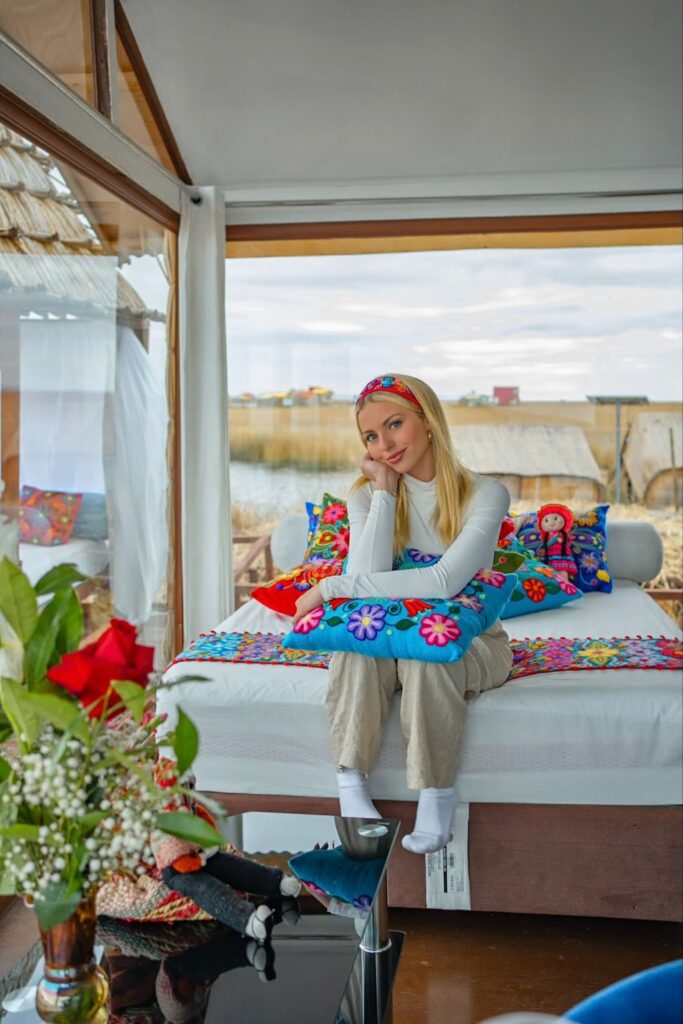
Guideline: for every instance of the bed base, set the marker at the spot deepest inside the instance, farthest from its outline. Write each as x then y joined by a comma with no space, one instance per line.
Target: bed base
539,858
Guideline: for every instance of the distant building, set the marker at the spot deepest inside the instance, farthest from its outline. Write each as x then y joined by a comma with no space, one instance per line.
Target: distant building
473,398
653,458
506,396
536,463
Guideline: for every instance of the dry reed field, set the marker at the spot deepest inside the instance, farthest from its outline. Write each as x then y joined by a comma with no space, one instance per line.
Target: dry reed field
325,437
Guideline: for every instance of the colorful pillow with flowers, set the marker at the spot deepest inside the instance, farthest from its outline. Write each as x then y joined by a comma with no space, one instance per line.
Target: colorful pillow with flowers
59,507
36,528
313,511
333,873
282,593
331,537
439,631
588,542
538,587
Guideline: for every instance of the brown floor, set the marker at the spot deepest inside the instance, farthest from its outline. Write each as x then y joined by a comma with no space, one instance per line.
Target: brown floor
460,968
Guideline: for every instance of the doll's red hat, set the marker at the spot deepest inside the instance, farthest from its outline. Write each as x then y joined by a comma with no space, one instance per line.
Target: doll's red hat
561,510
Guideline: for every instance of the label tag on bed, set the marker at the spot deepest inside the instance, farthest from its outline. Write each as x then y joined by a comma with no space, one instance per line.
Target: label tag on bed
447,875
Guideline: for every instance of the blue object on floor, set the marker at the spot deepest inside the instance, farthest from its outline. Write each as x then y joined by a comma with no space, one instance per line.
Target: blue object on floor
654,996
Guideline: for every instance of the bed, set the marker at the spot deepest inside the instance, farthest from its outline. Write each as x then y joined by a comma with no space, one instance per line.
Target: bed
573,780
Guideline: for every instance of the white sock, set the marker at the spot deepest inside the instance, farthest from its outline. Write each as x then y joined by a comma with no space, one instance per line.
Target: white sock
354,799
433,821
289,886
259,926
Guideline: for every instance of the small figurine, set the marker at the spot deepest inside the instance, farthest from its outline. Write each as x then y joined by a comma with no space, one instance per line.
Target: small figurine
554,523
210,877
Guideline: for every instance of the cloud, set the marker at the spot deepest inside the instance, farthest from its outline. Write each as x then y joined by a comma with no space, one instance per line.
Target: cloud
557,323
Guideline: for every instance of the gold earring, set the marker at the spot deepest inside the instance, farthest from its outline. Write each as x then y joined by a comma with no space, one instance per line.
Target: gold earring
429,436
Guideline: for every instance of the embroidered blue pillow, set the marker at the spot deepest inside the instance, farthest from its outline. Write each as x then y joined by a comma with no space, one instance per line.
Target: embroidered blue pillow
438,631
338,875
588,542
313,511
538,588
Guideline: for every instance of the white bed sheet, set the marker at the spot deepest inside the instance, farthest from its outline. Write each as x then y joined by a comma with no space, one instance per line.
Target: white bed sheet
89,556
593,737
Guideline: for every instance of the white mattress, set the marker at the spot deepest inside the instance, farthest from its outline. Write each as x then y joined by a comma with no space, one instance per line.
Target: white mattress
584,737
89,556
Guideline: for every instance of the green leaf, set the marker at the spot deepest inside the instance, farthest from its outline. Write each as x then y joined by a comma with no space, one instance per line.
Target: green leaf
22,717
133,696
41,647
516,595
17,600
56,905
71,627
405,624
91,820
552,588
187,826
5,770
64,714
60,577
20,831
8,886
185,742
333,621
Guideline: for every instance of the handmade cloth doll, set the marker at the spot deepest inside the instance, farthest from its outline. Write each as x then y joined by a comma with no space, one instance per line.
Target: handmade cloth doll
554,523
209,877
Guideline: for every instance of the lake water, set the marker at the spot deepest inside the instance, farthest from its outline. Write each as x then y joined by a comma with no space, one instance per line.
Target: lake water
276,491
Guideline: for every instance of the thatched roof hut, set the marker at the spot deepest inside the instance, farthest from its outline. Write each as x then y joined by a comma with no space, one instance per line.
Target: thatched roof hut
536,463
41,219
653,458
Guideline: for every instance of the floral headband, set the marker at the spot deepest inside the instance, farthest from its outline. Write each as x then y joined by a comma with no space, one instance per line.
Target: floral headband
388,384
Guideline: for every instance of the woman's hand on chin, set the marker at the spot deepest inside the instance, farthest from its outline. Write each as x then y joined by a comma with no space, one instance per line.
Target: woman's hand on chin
308,602
383,477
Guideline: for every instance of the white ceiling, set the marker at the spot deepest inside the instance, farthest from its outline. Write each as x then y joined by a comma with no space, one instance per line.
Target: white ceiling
321,100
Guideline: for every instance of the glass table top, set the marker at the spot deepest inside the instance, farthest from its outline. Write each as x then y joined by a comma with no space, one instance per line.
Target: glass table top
309,971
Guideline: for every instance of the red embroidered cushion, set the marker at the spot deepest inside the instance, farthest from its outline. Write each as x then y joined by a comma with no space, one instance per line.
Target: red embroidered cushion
35,528
60,508
282,593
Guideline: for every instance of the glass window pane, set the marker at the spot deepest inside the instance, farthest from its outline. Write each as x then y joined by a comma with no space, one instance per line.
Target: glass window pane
56,33
513,341
135,117
84,287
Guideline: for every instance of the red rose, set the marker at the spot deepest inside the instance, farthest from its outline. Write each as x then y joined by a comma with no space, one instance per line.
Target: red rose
115,656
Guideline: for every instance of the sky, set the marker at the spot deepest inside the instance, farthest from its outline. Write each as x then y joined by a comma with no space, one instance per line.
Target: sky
560,324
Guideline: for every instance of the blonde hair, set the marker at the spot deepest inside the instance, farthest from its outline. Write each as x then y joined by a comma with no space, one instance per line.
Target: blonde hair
454,482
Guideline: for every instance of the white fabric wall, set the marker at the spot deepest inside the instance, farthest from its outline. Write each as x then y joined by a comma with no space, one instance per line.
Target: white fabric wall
206,532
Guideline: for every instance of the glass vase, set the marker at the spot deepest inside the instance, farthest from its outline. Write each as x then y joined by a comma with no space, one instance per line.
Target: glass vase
73,988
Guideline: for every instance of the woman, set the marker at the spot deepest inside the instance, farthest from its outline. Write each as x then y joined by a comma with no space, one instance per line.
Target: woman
413,494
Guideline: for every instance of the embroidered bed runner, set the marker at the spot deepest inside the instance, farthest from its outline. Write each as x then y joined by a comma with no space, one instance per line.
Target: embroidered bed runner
552,654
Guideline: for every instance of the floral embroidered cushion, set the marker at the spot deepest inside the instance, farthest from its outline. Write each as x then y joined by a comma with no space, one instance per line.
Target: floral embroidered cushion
538,588
36,528
59,507
439,631
313,511
333,873
282,593
331,535
588,542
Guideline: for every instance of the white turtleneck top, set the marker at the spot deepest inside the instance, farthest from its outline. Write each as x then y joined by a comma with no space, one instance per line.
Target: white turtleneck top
369,570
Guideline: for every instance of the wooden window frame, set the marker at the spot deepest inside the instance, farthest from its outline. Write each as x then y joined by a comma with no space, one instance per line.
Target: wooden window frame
129,43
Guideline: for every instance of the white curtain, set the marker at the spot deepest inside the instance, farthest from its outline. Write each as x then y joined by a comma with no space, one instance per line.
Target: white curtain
206,531
139,480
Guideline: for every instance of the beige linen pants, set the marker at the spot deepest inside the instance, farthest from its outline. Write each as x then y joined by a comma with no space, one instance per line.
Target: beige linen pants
433,706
